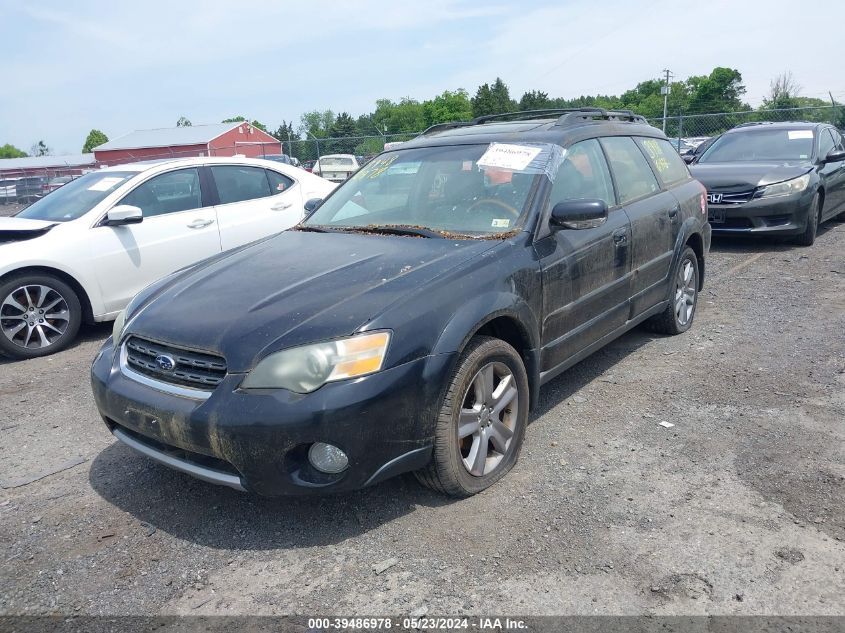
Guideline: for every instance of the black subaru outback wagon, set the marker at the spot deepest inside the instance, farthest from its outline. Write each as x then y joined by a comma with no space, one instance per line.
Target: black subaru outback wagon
408,323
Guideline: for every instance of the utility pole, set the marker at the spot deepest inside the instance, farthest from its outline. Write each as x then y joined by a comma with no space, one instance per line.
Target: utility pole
665,92
832,109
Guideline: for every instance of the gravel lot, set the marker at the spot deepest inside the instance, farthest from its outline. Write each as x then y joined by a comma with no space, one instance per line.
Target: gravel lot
737,509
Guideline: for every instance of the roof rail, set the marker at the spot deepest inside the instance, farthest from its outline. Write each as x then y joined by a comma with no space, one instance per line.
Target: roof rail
440,127
751,123
588,114
528,114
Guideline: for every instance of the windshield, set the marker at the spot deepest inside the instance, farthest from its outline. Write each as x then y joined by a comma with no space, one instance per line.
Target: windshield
335,160
442,189
77,197
761,145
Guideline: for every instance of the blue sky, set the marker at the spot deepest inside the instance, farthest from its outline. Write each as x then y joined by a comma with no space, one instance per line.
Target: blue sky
119,66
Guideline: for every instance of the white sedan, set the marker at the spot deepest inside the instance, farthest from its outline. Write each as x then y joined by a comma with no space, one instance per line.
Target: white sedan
83,251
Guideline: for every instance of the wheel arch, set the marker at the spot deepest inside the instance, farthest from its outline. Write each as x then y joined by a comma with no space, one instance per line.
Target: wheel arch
696,243
515,325
70,280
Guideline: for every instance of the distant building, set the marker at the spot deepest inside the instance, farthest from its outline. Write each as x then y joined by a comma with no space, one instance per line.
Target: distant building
221,139
49,166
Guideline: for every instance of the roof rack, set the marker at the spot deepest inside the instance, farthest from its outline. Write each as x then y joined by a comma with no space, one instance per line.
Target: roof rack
565,116
589,114
752,123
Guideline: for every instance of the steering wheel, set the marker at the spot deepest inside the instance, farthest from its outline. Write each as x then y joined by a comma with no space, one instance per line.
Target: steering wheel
494,202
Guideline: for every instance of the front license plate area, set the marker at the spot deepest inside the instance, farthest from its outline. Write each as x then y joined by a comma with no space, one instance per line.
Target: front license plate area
716,216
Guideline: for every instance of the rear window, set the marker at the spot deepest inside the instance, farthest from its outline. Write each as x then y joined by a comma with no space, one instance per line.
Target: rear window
634,178
336,161
669,166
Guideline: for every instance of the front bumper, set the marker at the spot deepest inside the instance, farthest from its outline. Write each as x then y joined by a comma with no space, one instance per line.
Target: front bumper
258,440
782,215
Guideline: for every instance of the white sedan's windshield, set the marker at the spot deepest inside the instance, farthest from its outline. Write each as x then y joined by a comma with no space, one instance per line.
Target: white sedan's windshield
76,198
441,189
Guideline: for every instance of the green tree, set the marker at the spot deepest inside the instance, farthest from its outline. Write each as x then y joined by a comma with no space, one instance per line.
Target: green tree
239,118
94,139
10,151
343,126
185,122
39,149
535,100
446,107
493,99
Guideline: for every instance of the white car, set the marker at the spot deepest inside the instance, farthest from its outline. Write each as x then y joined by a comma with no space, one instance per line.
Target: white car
336,167
83,251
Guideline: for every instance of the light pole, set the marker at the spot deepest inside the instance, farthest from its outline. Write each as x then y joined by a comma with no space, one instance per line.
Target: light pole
665,92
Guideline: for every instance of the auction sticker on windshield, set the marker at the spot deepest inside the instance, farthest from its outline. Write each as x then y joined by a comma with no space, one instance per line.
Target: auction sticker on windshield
507,156
105,184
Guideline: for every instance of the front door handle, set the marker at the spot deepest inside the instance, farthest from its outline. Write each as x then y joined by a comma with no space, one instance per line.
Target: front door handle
620,237
281,206
674,211
200,224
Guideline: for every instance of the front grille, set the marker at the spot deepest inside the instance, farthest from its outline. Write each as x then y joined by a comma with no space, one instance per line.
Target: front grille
736,197
190,369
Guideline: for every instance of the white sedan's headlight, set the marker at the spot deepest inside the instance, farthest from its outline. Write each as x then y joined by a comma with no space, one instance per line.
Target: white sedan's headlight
307,368
796,185
117,330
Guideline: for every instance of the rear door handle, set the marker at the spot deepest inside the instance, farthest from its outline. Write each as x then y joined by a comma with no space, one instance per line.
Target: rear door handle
674,211
620,237
200,224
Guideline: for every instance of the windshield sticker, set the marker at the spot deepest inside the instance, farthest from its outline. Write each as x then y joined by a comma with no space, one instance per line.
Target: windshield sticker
507,156
377,166
501,223
797,134
105,184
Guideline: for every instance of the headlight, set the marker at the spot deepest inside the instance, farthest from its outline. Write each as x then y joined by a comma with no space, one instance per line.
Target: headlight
307,368
119,322
796,185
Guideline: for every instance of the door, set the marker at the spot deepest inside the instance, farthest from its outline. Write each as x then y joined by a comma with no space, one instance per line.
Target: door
584,271
253,202
833,174
177,231
653,214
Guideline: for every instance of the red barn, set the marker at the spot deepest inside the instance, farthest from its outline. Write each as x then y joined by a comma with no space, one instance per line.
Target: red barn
221,139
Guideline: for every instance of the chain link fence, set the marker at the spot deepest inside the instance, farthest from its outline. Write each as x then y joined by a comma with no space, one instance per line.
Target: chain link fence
698,126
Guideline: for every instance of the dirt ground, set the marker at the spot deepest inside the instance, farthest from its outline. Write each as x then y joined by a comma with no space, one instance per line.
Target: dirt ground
737,509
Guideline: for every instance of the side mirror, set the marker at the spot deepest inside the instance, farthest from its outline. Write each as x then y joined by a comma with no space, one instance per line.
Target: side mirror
312,205
834,156
688,158
579,214
124,214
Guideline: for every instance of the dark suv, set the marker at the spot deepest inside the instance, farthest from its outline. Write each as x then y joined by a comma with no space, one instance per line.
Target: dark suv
774,179
408,323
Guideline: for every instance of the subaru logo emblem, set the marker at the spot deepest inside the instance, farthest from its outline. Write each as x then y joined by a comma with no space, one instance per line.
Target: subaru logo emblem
714,198
165,363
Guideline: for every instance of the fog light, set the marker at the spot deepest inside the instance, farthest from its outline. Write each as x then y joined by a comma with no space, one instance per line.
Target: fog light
327,458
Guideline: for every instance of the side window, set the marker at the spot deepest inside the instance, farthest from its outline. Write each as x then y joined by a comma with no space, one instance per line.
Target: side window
236,183
167,193
826,143
837,139
634,178
583,174
668,164
278,182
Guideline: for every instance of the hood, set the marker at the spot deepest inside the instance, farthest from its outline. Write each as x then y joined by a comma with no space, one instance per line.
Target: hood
741,176
296,288
17,229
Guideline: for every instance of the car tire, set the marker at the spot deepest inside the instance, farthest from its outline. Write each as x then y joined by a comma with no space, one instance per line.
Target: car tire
53,307
677,317
489,375
808,237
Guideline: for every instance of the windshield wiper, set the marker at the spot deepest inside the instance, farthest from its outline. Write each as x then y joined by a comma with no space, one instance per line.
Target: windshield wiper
314,228
399,229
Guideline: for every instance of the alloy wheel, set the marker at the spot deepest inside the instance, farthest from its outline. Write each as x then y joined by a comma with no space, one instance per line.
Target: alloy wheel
488,418
685,290
34,316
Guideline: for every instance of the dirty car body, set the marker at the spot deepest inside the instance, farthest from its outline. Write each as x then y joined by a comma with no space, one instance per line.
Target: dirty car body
429,285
